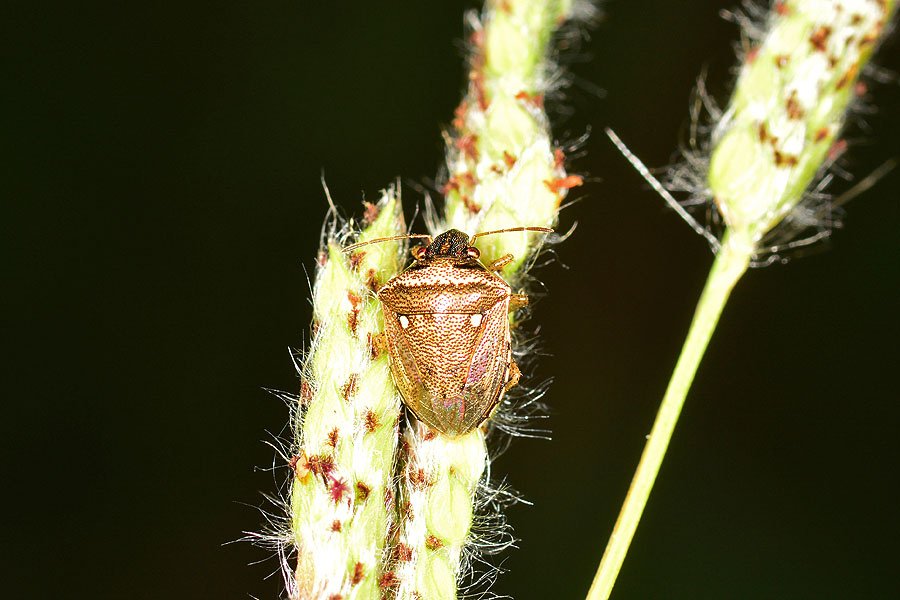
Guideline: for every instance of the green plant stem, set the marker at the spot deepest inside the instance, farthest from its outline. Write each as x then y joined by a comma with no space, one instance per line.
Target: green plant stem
729,266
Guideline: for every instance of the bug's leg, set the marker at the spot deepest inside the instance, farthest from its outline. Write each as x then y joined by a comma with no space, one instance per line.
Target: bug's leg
514,375
417,252
500,262
517,301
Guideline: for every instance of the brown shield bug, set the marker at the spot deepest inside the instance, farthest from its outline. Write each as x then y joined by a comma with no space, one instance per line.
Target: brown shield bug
447,333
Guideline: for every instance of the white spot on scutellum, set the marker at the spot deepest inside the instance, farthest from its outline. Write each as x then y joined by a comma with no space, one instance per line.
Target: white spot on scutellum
404,321
475,320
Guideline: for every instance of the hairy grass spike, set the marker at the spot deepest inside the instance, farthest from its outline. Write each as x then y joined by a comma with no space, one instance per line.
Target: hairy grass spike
503,172
788,108
346,430
769,146
437,484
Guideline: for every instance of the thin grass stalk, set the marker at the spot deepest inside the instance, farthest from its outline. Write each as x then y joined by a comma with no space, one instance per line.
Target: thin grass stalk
729,266
774,141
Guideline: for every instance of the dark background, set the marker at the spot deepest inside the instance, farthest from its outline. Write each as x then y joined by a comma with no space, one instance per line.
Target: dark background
162,199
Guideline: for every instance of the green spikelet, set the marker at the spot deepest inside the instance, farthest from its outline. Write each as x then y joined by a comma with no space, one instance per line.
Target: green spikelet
347,431
772,141
504,169
504,172
788,106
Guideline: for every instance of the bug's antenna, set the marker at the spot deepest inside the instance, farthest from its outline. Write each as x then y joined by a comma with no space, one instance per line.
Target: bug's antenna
484,233
387,239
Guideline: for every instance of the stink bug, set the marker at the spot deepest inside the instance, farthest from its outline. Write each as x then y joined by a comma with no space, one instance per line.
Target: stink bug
447,330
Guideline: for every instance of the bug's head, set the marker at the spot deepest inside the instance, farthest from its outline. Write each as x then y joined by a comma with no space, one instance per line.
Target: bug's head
456,244
450,244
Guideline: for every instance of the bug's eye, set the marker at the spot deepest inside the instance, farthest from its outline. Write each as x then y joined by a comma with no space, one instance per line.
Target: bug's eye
473,252
418,252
